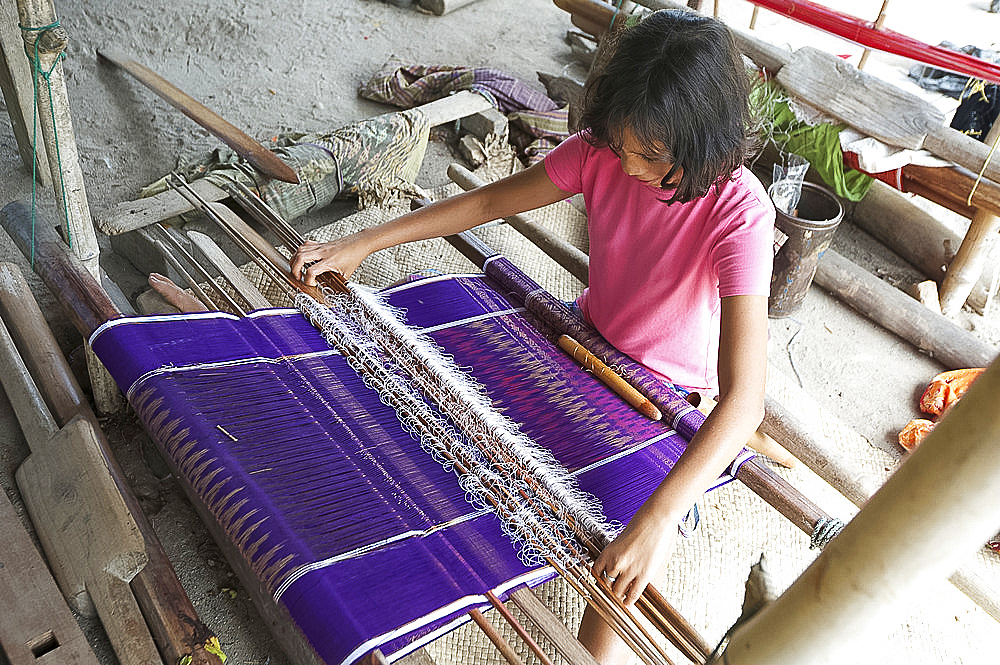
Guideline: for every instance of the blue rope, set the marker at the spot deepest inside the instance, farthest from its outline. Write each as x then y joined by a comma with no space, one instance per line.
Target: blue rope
36,69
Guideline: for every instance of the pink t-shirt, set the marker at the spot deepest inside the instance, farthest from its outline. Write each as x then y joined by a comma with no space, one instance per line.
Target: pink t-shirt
658,271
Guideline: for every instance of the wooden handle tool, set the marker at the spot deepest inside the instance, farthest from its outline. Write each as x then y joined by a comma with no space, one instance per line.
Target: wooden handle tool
608,377
260,157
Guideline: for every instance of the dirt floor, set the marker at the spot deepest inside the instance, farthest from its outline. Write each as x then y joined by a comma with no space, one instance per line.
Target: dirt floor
271,67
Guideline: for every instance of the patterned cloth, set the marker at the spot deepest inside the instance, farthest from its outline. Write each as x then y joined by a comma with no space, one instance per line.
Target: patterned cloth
536,133
368,159
406,86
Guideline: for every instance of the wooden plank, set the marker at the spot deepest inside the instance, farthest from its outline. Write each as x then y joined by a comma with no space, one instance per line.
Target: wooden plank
35,622
18,93
872,106
131,215
87,532
552,627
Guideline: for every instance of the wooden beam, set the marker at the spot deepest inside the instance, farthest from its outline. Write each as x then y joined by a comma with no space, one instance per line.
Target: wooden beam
895,311
938,507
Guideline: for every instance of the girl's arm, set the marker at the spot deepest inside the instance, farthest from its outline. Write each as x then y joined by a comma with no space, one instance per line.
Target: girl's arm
526,190
635,557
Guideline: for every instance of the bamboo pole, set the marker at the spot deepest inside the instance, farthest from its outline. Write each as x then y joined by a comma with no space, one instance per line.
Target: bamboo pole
829,463
879,22
936,509
18,93
57,126
45,44
967,267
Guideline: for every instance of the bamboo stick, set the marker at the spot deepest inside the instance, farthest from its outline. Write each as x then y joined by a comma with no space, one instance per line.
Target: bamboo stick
937,508
18,92
494,636
879,22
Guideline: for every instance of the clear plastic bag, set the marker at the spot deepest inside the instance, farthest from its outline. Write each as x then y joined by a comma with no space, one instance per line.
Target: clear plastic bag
788,179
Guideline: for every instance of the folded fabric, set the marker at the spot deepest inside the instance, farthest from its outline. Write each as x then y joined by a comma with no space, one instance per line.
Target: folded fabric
406,86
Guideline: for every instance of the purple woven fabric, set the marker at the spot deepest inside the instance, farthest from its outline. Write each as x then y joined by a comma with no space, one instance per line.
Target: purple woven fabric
332,508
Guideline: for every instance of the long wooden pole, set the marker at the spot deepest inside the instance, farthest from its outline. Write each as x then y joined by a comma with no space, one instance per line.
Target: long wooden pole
936,509
886,305
256,154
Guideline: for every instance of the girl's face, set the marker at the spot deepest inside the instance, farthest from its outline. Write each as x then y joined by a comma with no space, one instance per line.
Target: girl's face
644,164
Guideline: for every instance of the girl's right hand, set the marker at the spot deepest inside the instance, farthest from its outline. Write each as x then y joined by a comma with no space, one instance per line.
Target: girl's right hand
343,256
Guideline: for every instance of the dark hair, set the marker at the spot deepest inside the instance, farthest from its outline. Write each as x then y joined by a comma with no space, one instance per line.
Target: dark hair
678,81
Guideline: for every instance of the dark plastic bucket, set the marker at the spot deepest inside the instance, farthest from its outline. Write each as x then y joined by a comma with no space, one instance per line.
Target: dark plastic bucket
810,230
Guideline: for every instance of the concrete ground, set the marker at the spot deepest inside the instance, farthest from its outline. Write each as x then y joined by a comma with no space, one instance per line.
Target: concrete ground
270,67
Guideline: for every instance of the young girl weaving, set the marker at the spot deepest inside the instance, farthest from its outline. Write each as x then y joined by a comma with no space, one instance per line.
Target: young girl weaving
680,254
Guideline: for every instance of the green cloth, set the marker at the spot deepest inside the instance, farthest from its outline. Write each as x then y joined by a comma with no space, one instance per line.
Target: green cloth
819,144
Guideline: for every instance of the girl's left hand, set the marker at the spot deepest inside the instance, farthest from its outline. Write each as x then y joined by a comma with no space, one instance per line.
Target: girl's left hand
636,556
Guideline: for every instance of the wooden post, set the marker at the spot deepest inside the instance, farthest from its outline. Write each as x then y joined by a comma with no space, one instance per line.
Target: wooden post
967,267
45,49
57,126
936,509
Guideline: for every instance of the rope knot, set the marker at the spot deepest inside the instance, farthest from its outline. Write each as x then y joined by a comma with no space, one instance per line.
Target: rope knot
51,39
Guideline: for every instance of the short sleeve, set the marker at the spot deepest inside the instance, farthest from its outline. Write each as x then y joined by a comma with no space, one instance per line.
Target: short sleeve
565,163
744,257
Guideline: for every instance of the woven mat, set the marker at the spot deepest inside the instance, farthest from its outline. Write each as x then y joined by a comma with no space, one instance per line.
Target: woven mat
706,574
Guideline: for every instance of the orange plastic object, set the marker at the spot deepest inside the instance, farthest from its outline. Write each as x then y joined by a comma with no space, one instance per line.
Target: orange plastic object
915,432
947,388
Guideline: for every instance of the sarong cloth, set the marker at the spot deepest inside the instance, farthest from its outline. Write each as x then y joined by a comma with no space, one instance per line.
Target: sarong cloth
337,513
